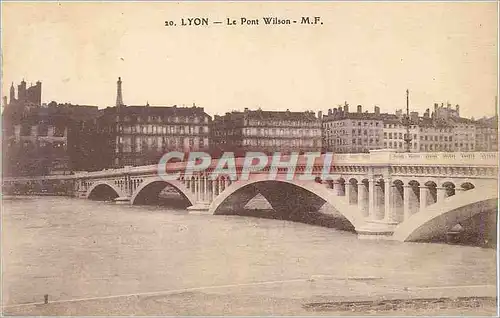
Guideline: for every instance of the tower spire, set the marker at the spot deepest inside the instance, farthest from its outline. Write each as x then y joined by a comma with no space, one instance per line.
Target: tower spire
12,93
119,97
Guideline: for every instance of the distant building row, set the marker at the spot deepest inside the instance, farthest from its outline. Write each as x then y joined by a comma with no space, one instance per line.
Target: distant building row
441,130
60,138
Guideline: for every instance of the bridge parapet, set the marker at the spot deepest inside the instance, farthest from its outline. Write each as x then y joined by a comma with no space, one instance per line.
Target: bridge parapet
390,157
469,159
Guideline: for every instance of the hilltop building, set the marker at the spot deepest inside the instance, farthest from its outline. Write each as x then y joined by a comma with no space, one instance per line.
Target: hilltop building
26,96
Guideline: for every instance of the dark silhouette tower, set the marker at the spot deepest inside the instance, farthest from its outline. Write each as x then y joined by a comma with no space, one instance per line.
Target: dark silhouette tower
12,94
21,92
37,93
119,97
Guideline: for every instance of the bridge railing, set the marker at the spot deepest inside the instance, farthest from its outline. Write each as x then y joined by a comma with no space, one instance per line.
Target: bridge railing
447,158
390,157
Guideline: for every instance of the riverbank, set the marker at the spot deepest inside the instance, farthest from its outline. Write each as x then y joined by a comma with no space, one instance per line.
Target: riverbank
238,301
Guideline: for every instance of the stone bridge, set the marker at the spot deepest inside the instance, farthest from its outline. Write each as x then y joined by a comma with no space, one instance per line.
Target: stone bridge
383,194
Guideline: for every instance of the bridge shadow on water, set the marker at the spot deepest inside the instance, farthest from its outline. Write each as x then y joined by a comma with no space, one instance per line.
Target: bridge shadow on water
312,218
466,239
169,198
478,231
259,207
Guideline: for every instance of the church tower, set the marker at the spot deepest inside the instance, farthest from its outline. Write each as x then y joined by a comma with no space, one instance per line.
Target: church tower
12,94
119,97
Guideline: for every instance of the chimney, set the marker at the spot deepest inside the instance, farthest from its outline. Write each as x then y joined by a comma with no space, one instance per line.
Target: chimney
346,108
340,109
246,109
360,109
329,112
320,114
334,111
377,110
457,107
448,105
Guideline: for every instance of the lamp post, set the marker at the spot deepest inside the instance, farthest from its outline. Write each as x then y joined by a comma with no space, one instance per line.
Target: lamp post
407,122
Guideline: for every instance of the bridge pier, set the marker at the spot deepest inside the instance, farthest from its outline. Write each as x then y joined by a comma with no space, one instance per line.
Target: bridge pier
122,200
202,195
199,208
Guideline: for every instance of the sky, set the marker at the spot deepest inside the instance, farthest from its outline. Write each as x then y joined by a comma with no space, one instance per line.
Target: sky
364,53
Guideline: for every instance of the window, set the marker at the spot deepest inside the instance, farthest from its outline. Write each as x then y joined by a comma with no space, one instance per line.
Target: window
43,130
25,130
59,131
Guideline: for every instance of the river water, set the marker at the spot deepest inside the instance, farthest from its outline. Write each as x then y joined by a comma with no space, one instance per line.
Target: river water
71,249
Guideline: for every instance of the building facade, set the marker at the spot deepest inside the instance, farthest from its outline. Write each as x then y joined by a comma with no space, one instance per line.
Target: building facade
345,131
487,134
40,141
267,132
443,130
396,132
141,135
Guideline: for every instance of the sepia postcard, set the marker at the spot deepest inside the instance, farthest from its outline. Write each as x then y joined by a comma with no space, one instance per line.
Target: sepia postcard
333,158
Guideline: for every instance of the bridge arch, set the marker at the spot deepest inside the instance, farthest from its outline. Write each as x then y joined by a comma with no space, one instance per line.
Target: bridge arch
438,218
244,191
104,190
151,188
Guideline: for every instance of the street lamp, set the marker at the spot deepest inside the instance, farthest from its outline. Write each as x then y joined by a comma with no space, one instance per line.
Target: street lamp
407,123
